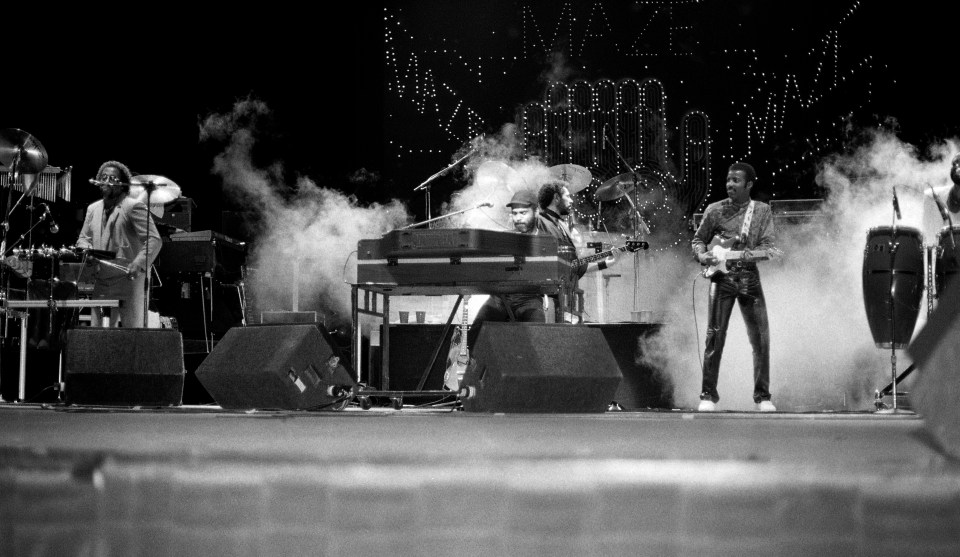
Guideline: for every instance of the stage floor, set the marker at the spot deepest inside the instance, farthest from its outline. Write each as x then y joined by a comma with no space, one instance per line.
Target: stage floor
425,481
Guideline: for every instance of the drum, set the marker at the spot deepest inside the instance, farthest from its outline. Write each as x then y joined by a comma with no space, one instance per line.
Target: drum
947,264
893,281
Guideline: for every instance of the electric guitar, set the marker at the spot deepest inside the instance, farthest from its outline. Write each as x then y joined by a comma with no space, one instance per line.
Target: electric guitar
720,248
631,245
459,355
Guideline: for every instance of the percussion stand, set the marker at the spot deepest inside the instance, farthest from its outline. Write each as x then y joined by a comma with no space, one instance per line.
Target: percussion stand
891,388
893,245
15,175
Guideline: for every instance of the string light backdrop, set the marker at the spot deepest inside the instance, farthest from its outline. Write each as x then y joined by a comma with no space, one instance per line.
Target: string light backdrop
747,81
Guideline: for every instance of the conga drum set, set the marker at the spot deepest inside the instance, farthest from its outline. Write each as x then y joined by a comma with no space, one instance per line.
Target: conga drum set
897,268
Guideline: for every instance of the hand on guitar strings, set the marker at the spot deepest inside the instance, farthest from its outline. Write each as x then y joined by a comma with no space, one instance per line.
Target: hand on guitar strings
708,259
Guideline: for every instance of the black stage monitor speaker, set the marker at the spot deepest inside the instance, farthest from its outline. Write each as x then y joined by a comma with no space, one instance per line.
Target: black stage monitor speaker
123,367
534,367
286,367
936,353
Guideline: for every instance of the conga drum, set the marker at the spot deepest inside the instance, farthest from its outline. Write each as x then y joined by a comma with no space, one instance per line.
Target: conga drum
946,263
893,279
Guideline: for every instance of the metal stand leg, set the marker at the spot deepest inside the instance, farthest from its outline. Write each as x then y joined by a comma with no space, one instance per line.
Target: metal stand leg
355,337
22,388
203,314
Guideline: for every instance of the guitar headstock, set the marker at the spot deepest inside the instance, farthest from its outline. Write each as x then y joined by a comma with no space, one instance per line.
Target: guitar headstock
634,245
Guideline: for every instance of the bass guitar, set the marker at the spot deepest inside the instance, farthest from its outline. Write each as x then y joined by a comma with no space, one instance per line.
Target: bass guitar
720,248
459,355
631,245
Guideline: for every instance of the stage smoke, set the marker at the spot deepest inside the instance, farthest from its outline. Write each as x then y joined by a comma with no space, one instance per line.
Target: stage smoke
822,353
493,172
307,233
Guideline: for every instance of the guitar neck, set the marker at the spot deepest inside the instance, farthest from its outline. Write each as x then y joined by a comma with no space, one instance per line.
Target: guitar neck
738,255
599,256
464,326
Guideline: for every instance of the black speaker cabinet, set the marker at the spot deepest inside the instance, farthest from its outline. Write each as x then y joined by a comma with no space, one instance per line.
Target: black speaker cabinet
643,385
123,367
535,367
286,367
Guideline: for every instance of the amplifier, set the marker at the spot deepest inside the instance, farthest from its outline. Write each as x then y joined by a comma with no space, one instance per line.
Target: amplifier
178,213
204,251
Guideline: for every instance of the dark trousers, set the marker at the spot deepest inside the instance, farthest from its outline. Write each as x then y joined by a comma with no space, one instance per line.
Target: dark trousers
527,310
743,287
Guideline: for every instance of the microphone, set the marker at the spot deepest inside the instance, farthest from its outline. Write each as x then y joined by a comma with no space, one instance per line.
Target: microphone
940,206
605,136
96,182
48,215
896,204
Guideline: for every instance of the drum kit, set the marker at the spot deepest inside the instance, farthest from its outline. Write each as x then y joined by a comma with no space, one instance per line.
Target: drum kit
897,268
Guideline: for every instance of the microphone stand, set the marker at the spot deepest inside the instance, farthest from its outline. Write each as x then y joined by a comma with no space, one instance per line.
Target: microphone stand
426,183
448,215
892,246
638,222
27,233
148,187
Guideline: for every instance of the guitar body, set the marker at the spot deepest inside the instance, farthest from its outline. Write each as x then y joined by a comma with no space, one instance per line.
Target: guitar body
720,248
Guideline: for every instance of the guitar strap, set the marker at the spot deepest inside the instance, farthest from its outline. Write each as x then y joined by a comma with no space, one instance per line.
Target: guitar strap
745,229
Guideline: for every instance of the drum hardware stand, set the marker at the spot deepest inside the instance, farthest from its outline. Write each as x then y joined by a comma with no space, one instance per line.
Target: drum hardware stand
425,186
29,157
640,228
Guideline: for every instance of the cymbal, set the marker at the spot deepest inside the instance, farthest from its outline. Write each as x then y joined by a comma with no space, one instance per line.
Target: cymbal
576,176
34,157
162,189
496,175
616,187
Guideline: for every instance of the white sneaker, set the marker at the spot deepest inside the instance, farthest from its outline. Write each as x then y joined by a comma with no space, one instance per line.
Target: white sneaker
707,406
766,406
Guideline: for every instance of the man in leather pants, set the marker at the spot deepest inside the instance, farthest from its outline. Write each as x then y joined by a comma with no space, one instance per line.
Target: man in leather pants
736,281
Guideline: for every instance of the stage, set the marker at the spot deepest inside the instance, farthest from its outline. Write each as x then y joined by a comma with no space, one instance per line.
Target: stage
191,480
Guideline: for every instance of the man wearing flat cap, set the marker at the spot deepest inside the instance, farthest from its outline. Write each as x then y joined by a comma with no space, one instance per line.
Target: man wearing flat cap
526,307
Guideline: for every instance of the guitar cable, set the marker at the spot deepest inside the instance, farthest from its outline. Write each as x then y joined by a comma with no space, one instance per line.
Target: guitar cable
696,326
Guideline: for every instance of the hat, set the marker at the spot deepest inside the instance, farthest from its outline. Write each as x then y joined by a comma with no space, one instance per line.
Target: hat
523,198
